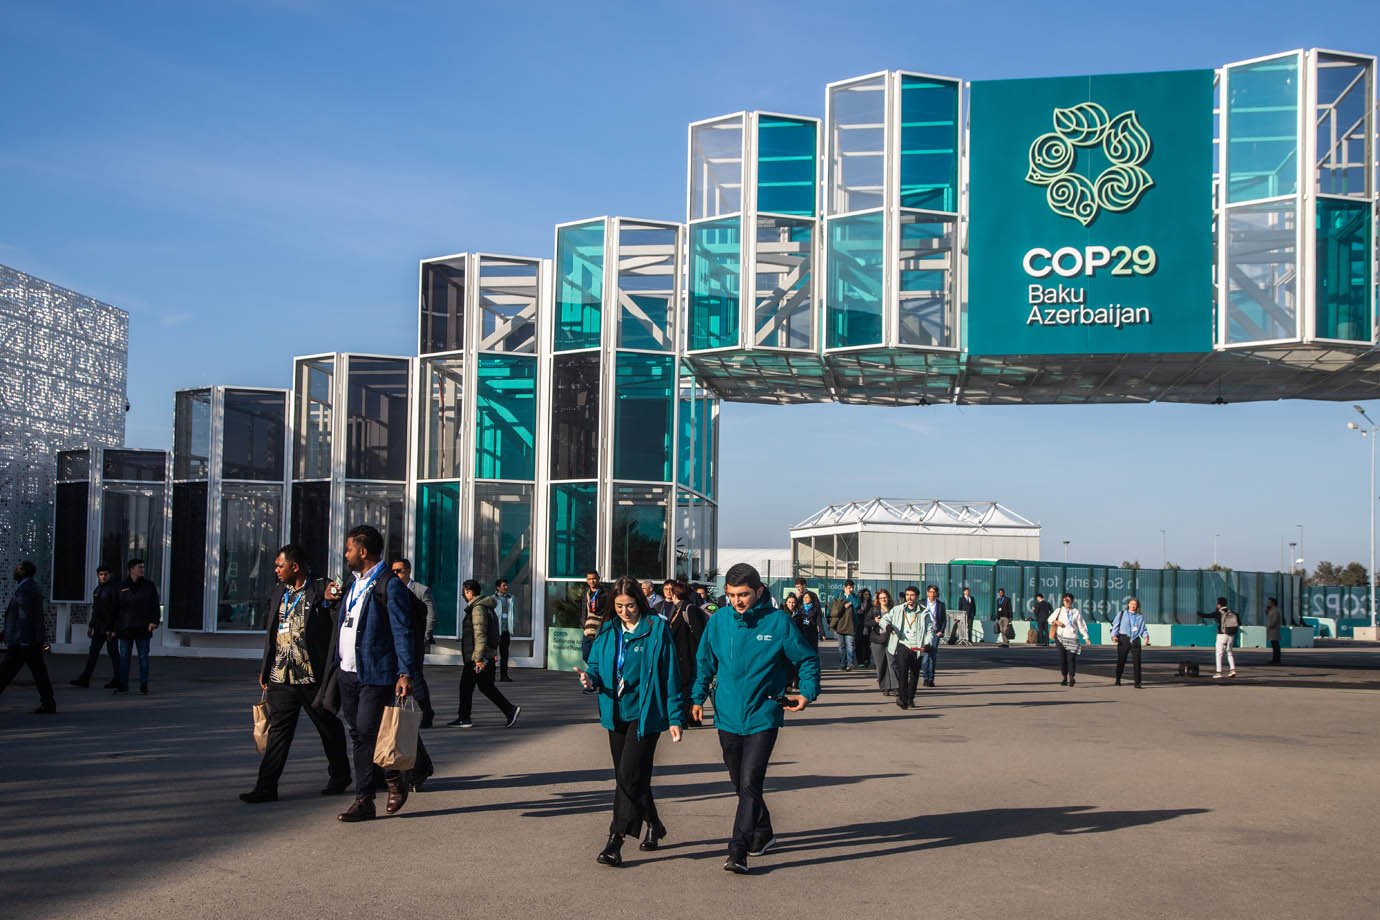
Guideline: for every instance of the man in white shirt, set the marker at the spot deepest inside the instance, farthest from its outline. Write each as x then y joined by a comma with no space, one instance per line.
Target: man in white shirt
504,608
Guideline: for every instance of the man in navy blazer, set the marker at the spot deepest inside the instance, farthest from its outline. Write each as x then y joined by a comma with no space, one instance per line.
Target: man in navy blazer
25,636
373,652
938,616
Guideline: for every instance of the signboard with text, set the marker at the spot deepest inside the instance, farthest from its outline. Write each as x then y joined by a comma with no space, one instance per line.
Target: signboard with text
1091,215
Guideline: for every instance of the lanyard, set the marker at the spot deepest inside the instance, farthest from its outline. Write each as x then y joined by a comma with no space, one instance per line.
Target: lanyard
621,644
288,608
350,607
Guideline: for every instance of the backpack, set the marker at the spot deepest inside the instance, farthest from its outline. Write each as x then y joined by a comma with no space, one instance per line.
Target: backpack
1230,620
416,613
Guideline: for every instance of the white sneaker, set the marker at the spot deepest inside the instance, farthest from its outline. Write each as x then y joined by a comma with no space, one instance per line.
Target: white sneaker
1217,676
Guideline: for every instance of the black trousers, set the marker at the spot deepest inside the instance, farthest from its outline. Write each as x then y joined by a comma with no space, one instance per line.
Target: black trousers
905,662
362,706
1042,631
285,705
505,640
746,757
1124,648
16,657
1068,662
632,776
1274,651
484,680
886,678
99,640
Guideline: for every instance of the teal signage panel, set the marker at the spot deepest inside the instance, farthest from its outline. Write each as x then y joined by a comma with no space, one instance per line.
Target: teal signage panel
1091,215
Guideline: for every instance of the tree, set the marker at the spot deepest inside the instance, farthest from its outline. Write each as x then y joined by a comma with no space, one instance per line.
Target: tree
1217,567
1130,565
1171,566
1353,576
1326,574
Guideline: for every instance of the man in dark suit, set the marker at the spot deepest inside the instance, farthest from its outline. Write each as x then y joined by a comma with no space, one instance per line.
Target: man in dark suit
297,641
938,619
104,602
1004,617
139,615
373,656
25,636
963,625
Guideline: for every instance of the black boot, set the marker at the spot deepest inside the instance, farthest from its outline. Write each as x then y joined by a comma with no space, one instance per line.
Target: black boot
652,838
612,853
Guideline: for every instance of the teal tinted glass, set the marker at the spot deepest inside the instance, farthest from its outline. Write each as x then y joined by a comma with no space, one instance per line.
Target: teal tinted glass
715,284
1262,129
1343,284
641,529
505,417
574,529
696,448
929,144
786,163
645,387
579,285
855,262
437,559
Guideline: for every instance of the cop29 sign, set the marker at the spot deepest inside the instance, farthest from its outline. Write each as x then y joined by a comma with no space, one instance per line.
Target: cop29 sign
1090,203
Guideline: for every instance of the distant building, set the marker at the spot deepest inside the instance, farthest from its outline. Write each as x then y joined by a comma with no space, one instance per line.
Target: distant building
63,360
882,534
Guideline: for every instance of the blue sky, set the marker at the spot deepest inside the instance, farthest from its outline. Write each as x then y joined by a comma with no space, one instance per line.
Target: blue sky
256,180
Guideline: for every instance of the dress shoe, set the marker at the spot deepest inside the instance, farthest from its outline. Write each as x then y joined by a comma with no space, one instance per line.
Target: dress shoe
336,786
428,719
79,683
111,685
652,838
359,810
144,689
1118,681
612,853
397,796
1064,682
256,796
45,710
417,779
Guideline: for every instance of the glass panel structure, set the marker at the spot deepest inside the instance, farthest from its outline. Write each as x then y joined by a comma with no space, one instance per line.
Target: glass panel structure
645,390
443,305
641,530
509,291
925,295
783,314
563,604
698,432
132,528
928,143
575,433
69,540
857,145
574,529
187,580
715,284
139,465
1262,125
315,398
716,167
505,417
74,465
1343,124
311,524
253,434
856,265
503,545
1344,257
376,419
787,162
1262,278
250,534
380,505
696,536
441,429
436,561
647,276
192,434
579,285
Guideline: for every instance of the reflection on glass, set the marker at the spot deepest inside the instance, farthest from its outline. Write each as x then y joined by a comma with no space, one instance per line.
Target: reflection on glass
1343,121
786,162
251,526
1344,257
647,285
311,523
187,579
696,536
376,446
315,396
640,528
74,465
503,546
716,167
380,505
134,465
191,434
441,432
575,416
1262,276
925,299
715,284
698,433
1262,129
505,417
563,604
857,145
69,541
509,291
443,305
929,143
783,314
579,285
132,528
644,391
437,562
255,428
855,262
574,531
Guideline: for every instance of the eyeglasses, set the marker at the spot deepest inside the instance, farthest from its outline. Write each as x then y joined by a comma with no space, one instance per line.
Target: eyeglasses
399,571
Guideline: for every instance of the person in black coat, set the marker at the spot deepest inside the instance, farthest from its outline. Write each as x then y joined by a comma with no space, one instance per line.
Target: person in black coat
99,627
296,645
963,625
25,637
1042,610
687,620
138,615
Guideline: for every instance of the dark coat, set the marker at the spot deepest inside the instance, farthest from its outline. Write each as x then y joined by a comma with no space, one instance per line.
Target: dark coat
968,605
1004,607
1043,610
138,609
687,622
24,616
105,607
320,627
384,638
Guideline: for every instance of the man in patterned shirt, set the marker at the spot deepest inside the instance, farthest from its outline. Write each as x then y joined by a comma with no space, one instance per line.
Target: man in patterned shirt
300,626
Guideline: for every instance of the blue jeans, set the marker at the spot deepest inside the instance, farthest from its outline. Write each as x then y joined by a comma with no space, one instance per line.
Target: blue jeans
927,662
122,663
845,651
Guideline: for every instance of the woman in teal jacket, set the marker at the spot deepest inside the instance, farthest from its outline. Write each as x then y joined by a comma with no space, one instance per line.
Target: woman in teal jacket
632,667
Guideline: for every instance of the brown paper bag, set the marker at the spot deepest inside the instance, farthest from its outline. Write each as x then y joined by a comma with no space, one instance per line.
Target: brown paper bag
260,711
396,748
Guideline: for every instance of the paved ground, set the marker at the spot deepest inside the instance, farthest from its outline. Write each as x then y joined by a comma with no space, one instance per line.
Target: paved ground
1005,795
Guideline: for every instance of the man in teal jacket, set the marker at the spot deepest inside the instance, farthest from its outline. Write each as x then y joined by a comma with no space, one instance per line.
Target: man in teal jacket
752,649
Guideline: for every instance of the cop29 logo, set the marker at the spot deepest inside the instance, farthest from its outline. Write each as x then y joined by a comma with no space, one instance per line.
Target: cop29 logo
1054,157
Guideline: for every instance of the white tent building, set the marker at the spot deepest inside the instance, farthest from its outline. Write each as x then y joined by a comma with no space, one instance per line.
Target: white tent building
880,535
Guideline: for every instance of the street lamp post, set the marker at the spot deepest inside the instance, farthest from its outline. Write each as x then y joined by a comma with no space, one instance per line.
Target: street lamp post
1214,548
1370,500
1293,558
1066,552
1164,548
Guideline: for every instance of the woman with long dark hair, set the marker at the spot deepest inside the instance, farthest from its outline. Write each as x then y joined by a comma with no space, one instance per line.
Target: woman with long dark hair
632,668
862,647
687,621
877,639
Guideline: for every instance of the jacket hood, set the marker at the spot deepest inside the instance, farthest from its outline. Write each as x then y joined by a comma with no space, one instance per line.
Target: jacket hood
481,602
